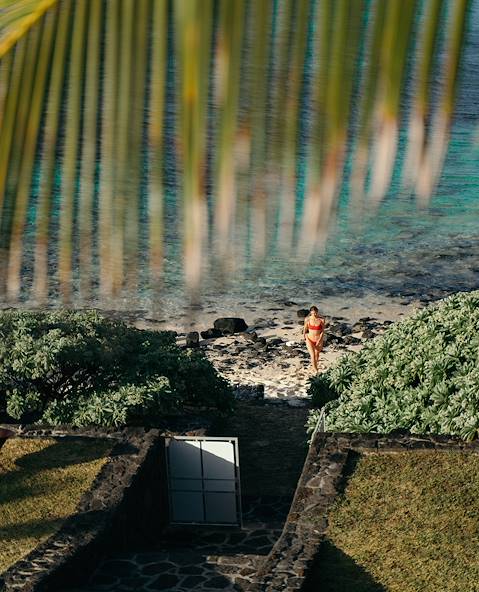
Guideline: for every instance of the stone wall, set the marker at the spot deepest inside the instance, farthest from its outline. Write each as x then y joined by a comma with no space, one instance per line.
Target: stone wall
124,506
330,460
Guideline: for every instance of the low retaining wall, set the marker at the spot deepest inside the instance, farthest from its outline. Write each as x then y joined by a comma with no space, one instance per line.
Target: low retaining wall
323,477
122,507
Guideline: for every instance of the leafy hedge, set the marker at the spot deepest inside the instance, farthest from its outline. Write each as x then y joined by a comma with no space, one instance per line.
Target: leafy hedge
82,369
421,375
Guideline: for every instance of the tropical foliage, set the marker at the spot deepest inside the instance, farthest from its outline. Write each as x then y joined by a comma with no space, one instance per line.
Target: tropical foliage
82,369
89,119
421,375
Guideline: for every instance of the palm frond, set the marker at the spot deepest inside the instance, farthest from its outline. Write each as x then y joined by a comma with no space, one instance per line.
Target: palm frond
83,102
396,36
432,161
87,163
71,153
12,218
156,140
23,184
108,141
48,160
420,108
228,58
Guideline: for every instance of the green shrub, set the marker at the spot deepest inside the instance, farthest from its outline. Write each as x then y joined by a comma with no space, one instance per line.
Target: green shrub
421,375
81,368
321,390
130,405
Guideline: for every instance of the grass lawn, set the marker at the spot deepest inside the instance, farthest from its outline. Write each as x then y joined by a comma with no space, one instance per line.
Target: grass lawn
41,483
407,522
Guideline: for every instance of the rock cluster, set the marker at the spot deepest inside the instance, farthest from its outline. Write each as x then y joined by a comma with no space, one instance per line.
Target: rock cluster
222,326
270,352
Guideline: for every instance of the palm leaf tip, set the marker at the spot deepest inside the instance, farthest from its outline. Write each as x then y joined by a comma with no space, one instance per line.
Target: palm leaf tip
17,18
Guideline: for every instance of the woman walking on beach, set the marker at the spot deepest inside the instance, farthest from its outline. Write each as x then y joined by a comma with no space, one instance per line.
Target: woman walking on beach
313,333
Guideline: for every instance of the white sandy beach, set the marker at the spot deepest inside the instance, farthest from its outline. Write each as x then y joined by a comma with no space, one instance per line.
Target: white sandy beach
282,364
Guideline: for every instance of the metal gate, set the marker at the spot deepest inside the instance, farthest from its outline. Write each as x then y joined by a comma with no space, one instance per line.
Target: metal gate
203,480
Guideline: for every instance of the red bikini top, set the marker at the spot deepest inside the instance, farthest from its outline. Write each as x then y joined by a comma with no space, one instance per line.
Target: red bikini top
315,327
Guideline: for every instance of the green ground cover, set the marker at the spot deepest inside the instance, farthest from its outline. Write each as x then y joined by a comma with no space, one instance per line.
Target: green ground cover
421,375
407,522
79,368
41,483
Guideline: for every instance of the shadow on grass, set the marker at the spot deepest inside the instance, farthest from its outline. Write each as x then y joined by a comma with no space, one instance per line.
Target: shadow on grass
24,483
18,540
32,528
334,571
64,453
83,521
352,461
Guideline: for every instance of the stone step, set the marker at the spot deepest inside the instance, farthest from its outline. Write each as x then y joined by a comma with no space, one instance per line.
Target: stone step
176,571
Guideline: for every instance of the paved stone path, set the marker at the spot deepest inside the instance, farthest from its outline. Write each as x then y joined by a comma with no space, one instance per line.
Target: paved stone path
272,445
206,559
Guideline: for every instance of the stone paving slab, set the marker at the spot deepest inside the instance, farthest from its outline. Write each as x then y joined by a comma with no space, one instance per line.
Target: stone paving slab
203,559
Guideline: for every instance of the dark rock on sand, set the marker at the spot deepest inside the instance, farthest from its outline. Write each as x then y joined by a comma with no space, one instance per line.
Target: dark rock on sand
275,341
211,334
334,338
368,334
249,335
249,392
301,353
260,344
172,333
192,339
340,329
230,325
350,340
302,313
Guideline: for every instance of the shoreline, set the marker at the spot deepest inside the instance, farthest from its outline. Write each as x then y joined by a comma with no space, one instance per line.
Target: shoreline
276,362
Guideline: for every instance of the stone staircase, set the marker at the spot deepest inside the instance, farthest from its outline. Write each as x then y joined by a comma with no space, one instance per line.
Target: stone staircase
202,559
272,451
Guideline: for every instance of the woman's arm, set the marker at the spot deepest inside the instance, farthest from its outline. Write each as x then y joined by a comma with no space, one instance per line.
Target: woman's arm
321,335
305,327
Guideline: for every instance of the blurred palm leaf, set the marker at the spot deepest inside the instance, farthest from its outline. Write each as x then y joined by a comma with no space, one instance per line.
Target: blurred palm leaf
17,18
83,146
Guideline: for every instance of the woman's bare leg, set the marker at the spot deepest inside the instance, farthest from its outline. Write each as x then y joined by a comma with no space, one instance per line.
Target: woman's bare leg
317,350
312,353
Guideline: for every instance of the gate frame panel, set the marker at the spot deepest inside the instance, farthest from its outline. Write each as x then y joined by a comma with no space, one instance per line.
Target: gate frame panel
237,480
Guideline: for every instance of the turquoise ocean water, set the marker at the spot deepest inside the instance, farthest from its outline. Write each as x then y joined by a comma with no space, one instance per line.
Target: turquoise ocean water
402,249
